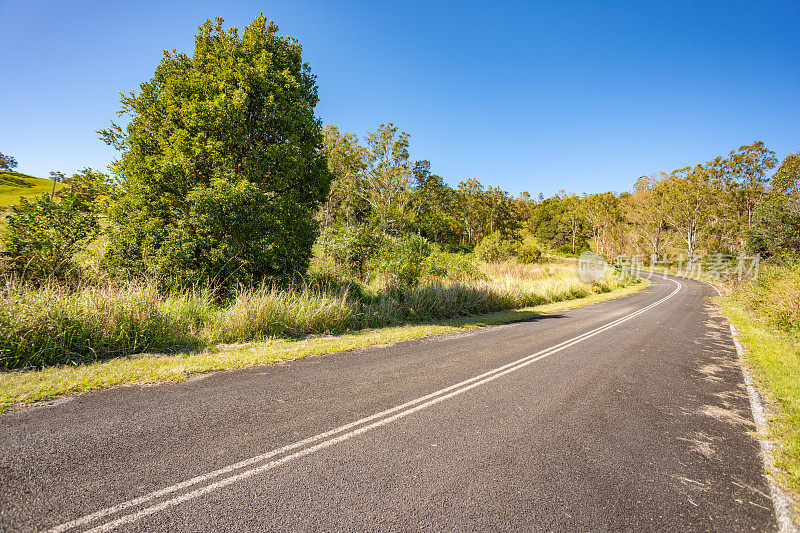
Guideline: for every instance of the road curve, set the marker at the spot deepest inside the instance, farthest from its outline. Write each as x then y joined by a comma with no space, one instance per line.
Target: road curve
628,414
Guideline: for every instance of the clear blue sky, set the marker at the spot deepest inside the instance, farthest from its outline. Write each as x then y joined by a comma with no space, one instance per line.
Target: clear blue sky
535,96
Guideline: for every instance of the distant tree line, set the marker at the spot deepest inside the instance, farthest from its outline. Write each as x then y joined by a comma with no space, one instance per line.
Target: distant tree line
729,205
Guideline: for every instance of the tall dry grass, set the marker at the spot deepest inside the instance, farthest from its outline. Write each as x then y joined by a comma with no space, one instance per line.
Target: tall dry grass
53,324
774,295
57,325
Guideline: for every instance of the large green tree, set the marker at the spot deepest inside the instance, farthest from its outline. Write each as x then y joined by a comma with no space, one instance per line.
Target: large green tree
236,117
602,212
787,177
742,179
776,220
433,205
647,211
346,162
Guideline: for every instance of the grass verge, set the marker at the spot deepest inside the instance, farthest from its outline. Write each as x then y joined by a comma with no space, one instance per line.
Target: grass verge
774,359
24,387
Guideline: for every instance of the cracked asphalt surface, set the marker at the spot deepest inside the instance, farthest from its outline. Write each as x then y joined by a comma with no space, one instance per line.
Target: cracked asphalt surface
643,426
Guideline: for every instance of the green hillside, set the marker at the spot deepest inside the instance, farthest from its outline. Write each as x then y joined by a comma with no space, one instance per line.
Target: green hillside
14,185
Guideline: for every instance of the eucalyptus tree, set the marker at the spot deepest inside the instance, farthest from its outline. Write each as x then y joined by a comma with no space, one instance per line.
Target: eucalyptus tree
469,206
647,211
787,177
386,182
500,213
743,177
602,213
571,216
346,163
776,220
687,194
434,205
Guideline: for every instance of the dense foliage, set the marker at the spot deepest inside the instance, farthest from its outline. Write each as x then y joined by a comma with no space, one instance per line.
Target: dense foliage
46,233
221,164
494,249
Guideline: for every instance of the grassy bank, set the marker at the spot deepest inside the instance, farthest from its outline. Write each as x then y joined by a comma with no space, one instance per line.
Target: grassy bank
35,385
767,314
14,186
774,359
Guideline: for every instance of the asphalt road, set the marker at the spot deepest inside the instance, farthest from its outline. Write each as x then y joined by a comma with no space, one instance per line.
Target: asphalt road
629,414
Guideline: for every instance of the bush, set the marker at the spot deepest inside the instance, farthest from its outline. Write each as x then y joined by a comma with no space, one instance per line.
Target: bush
402,260
454,266
775,295
776,225
528,254
45,235
493,248
351,248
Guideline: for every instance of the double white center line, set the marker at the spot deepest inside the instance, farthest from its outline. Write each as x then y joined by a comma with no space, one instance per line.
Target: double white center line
143,506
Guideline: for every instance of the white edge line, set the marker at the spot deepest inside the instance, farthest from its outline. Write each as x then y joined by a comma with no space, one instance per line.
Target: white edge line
780,501
430,399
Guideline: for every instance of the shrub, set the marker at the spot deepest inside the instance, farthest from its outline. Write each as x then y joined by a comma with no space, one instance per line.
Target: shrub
528,254
45,235
454,266
351,248
775,295
493,248
776,225
402,259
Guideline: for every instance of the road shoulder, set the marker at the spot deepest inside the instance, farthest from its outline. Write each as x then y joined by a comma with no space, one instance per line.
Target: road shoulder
773,360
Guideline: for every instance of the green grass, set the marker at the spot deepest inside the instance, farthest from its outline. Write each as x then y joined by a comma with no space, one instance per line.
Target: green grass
14,185
773,356
21,387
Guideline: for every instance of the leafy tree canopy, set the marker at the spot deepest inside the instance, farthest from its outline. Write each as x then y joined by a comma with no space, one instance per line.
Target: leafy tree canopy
240,109
787,177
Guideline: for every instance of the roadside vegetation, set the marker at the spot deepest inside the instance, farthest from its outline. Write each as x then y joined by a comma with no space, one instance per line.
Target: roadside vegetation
57,324
26,386
766,312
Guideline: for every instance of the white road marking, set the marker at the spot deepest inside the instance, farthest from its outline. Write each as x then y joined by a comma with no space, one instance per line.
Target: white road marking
347,431
783,513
